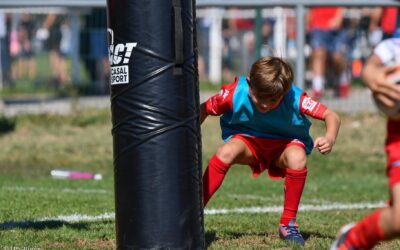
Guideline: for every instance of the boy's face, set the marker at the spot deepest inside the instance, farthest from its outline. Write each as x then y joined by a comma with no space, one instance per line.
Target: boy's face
263,103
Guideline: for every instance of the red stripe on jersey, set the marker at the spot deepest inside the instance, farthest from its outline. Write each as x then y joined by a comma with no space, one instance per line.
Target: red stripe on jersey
222,102
312,107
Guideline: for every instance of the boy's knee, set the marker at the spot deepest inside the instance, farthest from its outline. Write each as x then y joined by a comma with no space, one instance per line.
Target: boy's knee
396,222
227,154
396,227
296,161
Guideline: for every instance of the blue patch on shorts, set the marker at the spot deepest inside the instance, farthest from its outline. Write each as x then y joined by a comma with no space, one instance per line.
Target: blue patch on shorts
396,164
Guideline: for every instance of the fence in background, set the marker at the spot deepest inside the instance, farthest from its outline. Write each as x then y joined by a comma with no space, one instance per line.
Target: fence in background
50,48
85,61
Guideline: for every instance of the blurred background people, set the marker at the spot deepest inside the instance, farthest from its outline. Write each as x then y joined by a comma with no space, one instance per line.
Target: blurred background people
52,24
338,41
389,21
94,46
328,39
5,63
26,58
203,39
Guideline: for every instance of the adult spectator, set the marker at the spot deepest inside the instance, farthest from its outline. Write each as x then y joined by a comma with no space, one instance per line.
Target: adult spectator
327,38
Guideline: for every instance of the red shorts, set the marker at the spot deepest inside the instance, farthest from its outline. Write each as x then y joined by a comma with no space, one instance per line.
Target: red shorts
392,148
265,152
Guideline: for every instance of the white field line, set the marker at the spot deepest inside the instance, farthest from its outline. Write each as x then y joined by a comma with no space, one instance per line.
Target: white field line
305,208
54,190
79,217
255,197
273,209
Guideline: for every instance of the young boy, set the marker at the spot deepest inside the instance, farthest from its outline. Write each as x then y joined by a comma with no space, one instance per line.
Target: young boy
264,125
382,224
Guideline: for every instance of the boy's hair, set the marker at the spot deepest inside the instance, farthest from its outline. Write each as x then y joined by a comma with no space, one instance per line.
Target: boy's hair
271,77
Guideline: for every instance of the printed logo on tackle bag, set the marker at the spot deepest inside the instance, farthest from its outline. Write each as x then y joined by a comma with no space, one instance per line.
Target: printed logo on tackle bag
119,56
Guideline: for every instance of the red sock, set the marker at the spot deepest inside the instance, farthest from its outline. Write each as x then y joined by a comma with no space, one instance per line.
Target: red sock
294,184
213,177
367,232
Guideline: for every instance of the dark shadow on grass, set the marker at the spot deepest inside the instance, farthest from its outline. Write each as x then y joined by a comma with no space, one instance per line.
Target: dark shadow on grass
307,235
236,235
210,238
42,225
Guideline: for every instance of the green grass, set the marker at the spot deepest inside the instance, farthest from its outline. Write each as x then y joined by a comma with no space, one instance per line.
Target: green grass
209,86
352,173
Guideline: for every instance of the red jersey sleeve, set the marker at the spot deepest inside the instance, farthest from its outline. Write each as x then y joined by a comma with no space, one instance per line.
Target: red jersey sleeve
311,107
222,102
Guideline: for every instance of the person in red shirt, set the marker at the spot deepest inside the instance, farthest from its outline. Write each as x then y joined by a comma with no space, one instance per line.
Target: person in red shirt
389,21
328,38
385,19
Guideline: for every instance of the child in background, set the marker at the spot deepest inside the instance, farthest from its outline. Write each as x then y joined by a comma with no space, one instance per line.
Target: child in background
382,224
264,125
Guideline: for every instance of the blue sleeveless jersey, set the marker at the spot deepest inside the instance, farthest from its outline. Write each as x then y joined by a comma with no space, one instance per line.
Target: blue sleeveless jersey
284,122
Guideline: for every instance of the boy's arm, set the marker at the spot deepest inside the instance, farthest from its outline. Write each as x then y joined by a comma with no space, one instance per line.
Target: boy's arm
317,110
332,123
203,112
325,143
217,104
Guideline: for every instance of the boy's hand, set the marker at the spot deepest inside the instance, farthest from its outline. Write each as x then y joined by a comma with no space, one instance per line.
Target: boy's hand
324,144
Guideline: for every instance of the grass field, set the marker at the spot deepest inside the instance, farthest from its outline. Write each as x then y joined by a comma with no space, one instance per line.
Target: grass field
32,203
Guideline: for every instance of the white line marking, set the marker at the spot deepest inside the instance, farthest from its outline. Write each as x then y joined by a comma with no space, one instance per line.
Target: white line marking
256,197
63,190
273,209
305,208
78,217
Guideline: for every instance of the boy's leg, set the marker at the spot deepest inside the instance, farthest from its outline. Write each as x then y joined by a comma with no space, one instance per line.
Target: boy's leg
294,159
234,151
390,217
382,224
213,177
